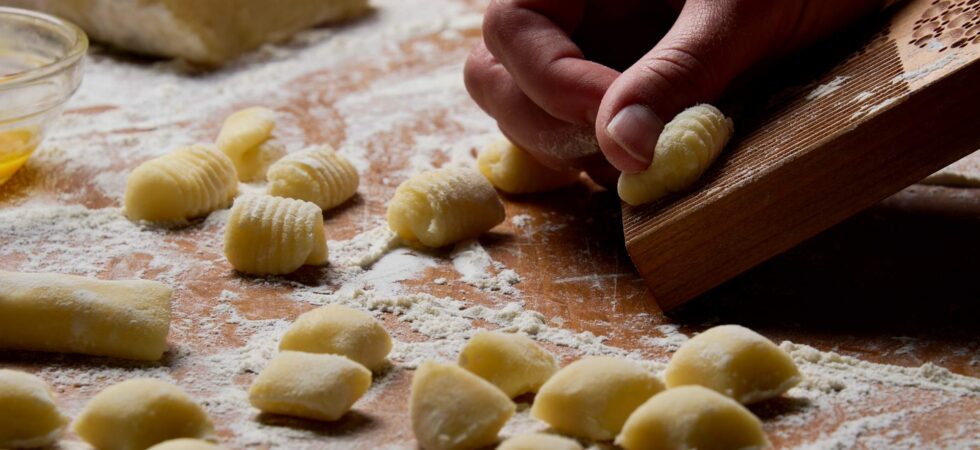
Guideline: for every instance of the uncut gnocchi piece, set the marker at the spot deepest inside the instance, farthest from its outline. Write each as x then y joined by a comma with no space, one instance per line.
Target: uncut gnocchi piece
692,417
30,416
186,183
539,441
686,148
444,206
274,235
513,170
512,362
592,397
309,385
66,313
185,444
246,138
340,330
138,413
319,175
453,409
734,361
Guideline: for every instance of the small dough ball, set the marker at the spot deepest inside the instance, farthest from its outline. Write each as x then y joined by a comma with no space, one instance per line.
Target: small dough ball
539,441
692,417
340,330
734,361
512,362
592,397
136,414
318,174
453,409
309,385
254,163
29,413
242,134
513,170
185,444
274,235
444,206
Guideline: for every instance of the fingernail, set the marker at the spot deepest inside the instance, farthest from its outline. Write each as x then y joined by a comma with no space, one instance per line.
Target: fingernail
636,129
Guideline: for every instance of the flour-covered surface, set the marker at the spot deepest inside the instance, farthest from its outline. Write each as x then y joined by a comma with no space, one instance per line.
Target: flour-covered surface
887,365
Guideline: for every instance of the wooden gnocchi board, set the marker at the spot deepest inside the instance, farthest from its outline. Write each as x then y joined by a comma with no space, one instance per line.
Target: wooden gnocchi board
818,139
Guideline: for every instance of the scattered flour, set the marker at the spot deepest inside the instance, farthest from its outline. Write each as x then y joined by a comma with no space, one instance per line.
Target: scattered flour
473,263
828,88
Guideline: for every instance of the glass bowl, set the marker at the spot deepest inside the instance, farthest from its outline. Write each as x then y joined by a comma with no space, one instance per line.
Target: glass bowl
40,68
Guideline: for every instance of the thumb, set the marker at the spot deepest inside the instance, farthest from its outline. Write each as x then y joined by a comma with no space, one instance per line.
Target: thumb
693,63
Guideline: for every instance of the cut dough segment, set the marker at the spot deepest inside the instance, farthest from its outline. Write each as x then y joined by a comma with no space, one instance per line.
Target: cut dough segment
539,441
734,361
242,137
512,362
340,330
453,409
186,444
136,414
444,206
592,397
686,148
692,417
30,416
309,385
512,169
319,175
186,183
274,235
66,313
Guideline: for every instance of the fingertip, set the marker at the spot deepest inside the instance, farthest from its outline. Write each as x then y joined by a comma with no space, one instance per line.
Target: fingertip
629,138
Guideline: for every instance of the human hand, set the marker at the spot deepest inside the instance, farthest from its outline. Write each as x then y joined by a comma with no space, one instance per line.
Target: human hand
549,70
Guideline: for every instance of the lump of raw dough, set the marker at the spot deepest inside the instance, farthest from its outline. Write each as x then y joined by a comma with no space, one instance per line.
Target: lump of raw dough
539,441
136,414
274,235
453,409
444,206
686,148
692,417
592,397
513,170
340,330
734,361
66,313
185,444
318,174
309,385
29,416
512,362
246,138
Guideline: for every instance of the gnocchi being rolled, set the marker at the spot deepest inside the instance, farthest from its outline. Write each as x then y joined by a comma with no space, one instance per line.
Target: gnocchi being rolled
30,416
189,182
274,235
319,175
246,138
686,148
444,206
511,169
66,313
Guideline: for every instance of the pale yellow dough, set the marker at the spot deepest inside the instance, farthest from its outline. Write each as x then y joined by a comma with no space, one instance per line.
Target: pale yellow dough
444,206
186,444
274,235
592,397
246,138
692,417
66,313
539,441
686,148
512,362
342,331
513,170
309,385
186,183
29,416
138,413
453,409
318,174
734,361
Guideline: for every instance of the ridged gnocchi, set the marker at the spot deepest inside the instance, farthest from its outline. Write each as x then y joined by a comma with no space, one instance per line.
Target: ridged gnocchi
319,175
244,137
186,183
30,416
513,170
309,385
512,362
274,235
686,148
340,330
444,206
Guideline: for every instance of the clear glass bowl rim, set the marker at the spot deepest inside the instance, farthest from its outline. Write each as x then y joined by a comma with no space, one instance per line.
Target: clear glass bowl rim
71,57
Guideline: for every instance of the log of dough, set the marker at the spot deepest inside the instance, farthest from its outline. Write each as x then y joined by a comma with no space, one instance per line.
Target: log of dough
66,313
207,32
